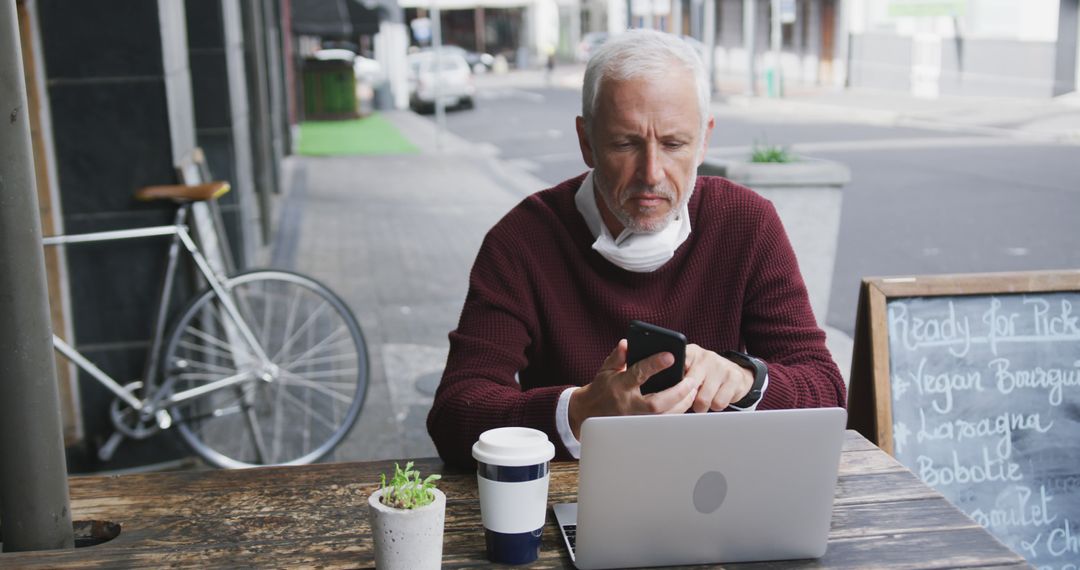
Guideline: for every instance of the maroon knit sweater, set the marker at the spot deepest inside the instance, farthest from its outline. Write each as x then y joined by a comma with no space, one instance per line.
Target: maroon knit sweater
544,306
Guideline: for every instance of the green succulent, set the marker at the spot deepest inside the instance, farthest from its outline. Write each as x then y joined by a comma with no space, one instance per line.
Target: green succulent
770,153
406,490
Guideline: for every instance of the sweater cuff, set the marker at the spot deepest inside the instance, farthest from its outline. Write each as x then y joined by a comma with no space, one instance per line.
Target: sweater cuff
562,424
540,412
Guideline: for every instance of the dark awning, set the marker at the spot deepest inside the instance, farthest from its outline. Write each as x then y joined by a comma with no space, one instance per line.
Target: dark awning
326,18
342,19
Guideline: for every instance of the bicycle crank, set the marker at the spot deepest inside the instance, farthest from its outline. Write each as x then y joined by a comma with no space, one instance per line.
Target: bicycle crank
137,424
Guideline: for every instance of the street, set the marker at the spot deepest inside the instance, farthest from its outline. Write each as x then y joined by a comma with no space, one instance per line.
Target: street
921,201
396,235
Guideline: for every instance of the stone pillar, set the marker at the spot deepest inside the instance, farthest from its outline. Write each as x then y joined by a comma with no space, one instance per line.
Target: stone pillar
222,117
1065,67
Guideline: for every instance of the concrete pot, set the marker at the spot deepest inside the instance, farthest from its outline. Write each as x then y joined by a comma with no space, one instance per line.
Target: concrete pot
808,197
407,539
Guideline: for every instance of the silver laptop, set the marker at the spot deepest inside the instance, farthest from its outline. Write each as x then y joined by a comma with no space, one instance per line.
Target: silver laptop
704,488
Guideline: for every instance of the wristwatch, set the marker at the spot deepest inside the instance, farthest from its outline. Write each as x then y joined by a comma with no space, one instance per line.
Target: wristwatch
756,366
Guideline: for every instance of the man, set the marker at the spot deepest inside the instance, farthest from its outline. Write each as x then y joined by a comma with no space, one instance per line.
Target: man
558,279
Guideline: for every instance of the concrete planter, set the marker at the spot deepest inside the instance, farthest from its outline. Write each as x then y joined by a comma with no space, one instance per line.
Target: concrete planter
808,197
407,539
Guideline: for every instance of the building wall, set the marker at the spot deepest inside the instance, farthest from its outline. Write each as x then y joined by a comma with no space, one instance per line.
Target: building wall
880,61
801,49
121,109
985,67
1006,68
984,48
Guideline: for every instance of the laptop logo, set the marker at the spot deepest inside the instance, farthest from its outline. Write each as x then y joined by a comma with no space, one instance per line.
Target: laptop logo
709,492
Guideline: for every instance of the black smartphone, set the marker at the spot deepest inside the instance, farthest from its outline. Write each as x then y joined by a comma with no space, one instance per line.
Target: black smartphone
644,340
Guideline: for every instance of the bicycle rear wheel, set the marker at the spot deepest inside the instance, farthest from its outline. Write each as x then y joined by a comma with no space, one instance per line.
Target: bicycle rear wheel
291,412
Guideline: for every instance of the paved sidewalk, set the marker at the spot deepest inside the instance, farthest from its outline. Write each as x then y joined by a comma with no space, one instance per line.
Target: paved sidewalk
1050,119
396,236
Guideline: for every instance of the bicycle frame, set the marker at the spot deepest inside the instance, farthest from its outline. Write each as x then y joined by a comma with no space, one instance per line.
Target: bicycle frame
154,401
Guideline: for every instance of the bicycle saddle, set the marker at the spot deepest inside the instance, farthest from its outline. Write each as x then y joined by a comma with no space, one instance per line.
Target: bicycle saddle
183,192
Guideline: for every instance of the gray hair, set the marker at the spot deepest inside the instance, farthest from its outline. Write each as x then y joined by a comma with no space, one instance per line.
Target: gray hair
641,53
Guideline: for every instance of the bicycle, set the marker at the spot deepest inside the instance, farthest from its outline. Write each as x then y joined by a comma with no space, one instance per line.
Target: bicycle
263,367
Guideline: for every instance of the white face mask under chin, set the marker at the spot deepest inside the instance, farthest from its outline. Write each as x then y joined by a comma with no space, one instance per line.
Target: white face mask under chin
636,252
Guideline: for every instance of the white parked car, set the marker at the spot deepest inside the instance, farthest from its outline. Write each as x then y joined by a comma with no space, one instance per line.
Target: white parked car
455,80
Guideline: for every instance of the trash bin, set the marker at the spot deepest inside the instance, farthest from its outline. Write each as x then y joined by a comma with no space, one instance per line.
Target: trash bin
329,90
384,97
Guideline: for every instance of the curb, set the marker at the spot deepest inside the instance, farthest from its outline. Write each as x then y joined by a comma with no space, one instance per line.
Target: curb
883,117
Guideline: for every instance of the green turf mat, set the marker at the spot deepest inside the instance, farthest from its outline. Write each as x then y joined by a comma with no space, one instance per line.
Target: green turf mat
371,135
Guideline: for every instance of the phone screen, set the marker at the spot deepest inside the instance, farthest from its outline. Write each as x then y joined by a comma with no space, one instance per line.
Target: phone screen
644,340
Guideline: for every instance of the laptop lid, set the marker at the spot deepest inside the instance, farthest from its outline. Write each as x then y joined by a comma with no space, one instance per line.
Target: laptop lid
707,488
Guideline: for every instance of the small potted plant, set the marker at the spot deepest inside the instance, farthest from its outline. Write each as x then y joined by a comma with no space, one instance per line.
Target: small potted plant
407,515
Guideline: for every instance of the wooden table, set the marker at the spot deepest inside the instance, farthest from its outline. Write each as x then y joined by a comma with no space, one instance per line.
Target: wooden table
316,516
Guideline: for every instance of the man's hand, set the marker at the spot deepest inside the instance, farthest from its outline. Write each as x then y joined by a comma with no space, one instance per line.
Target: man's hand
720,380
616,390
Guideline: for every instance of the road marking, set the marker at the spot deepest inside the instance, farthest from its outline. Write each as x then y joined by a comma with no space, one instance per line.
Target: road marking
556,157
524,164
874,145
510,93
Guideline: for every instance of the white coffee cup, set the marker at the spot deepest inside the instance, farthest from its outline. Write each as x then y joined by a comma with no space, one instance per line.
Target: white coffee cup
512,476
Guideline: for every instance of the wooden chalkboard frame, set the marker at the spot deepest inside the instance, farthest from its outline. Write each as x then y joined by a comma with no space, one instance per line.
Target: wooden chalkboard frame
870,388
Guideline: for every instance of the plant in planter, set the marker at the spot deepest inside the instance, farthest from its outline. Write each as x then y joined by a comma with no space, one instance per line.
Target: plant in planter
407,515
771,154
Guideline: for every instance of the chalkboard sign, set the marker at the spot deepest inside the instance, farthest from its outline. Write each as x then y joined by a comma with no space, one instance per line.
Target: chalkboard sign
973,383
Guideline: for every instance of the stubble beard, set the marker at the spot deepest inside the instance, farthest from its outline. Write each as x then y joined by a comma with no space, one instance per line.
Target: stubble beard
645,224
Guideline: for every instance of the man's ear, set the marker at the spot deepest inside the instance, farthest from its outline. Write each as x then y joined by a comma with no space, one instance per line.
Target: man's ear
705,140
583,142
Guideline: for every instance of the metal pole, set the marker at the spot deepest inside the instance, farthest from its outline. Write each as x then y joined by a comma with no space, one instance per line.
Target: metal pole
34,504
436,43
749,40
709,38
777,37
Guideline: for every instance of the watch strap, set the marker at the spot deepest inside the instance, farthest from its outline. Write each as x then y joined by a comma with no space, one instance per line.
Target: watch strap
760,370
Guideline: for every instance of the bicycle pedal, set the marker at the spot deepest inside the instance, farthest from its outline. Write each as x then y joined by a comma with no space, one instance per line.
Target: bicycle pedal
106,451
164,420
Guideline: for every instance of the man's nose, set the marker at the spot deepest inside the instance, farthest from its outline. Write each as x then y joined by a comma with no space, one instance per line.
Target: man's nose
651,169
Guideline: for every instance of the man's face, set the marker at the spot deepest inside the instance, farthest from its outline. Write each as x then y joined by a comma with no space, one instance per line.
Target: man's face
645,147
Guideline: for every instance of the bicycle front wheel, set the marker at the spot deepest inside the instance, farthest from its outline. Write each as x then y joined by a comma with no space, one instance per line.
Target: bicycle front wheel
294,402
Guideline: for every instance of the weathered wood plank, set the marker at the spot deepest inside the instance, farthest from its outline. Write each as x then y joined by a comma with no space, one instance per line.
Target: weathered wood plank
881,488
316,517
959,548
880,519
